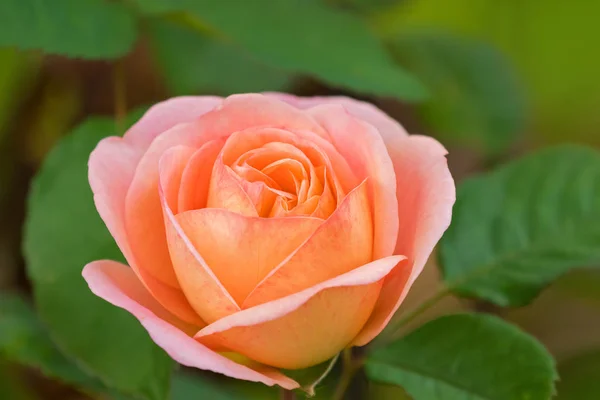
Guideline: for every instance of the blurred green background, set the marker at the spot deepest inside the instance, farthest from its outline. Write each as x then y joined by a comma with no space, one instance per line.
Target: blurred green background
490,79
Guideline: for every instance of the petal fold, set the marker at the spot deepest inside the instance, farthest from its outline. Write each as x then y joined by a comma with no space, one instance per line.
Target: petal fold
343,242
117,284
426,194
307,327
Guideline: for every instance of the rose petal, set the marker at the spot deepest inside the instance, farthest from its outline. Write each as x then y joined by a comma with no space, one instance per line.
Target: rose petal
116,283
227,191
171,166
340,244
307,327
363,147
242,250
143,213
166,114
426,194
196,178
111,169
243,111
202,288
387,126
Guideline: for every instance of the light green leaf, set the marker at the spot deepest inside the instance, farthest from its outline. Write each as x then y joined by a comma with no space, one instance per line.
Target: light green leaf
194,62
580,377
476,98
304,37
557,68
63,232
75,28
516,229
466,357
24,340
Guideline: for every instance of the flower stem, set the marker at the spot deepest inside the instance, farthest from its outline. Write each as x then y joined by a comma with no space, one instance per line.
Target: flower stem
287,394
349,368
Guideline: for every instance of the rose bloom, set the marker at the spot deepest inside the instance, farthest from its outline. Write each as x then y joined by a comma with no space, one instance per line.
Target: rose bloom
266,231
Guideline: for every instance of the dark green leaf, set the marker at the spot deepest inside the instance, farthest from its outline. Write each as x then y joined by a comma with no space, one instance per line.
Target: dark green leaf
311,378
24,340
466,357
12,385
63,233
195,386
476,99
76,28
195,62
580,377
303,37
516,229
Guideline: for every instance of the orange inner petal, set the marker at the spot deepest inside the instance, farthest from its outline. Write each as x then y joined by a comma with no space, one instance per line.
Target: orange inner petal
280,173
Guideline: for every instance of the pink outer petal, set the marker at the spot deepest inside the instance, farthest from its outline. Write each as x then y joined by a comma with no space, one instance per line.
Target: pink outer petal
426,194
387,126
116,283
143,214
342,243
166,114
363,147
243,111
307,327
111,168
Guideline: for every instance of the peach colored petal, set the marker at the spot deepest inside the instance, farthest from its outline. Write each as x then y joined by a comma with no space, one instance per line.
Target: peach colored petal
116,283
196,177
243,111
171,166
143,213
226,191
242,250
340,244
111,169
307,327
363,147
201,286
426,194
387,126
166,114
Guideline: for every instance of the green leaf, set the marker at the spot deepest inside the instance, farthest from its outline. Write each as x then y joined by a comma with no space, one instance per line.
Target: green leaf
466,357
311,378
195,62
195,386
580,377
76,28
12,384
304,37
24,340
63,232
516,229
476,98
556,66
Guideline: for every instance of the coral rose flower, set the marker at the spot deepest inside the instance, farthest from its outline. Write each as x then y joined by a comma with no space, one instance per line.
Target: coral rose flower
266,231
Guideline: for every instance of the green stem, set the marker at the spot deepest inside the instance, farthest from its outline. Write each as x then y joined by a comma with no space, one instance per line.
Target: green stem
349,368
287,394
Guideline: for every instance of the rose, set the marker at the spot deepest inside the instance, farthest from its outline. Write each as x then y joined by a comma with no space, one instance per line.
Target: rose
266,231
